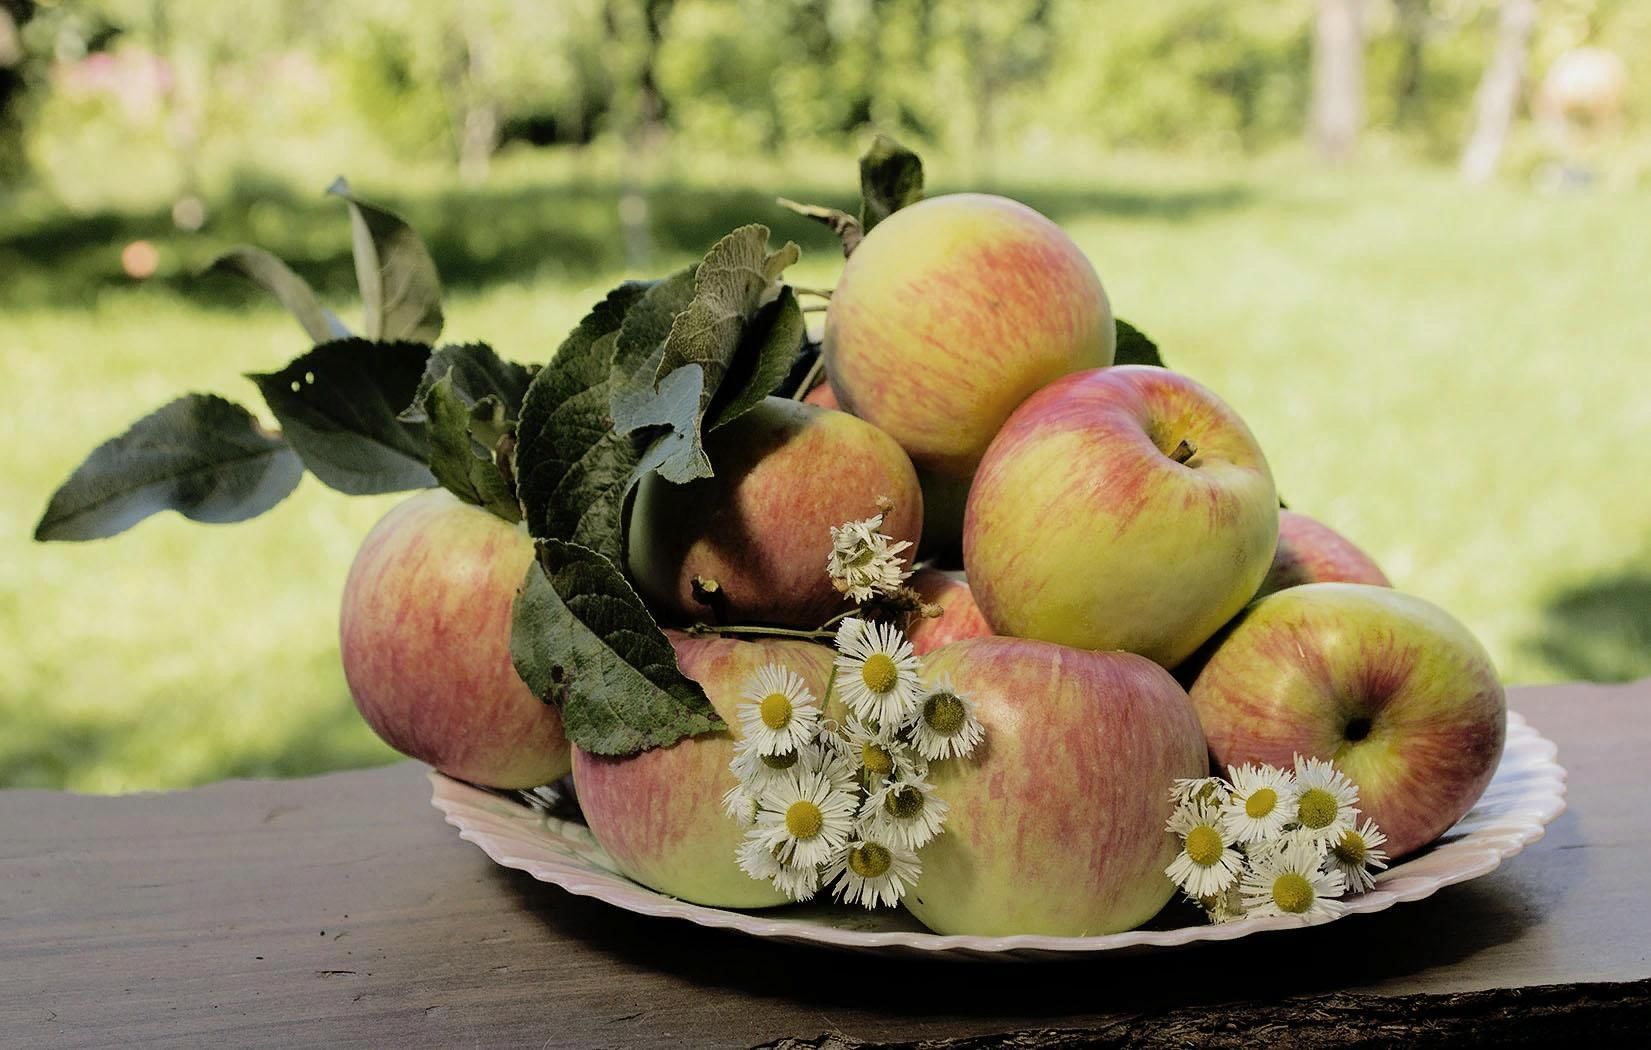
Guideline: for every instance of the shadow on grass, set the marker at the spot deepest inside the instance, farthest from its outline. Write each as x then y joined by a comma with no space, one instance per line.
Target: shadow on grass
479,236
1600,630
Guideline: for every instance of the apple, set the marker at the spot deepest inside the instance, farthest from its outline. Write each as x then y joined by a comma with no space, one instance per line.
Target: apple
949,314
823,396
959,616
659,813
1120,508
1400,696
1056,822
424,633
786,473
1311,552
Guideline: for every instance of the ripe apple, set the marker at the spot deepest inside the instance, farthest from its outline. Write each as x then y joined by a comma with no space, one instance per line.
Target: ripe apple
659,813
786,472
948,315
959,618
823,396
1120,508
1056,822
425,637
1392,689
1311,552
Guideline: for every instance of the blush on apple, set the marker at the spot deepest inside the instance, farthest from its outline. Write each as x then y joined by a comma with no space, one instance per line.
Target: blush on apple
1311,552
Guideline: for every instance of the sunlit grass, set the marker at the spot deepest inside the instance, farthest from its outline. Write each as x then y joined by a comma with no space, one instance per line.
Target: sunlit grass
1450,376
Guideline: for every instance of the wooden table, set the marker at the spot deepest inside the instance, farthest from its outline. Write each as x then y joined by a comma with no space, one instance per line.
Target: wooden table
342,909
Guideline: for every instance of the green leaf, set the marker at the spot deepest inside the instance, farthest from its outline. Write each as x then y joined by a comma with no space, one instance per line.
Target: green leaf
202,456
768,349
641,340
891,177
400,289
572,469
275,277
338,406
845,226
737,278
458,462
580,635
477,372
1134,348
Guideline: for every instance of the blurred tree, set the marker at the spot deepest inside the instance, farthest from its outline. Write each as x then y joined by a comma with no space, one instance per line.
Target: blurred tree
1499,91
1338,77
13,15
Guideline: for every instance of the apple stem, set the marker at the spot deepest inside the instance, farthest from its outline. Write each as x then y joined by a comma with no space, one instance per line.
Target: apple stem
810,379
818,293
1183,451
786,632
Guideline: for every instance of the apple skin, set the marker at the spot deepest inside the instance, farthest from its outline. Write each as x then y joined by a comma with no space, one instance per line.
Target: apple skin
659,813
823,396
1305,664
952,312
424,634
786,473
1082,530
1310,551
960,618
1056,822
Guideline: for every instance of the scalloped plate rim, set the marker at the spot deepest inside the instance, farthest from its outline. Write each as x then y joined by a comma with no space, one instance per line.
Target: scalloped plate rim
1540,794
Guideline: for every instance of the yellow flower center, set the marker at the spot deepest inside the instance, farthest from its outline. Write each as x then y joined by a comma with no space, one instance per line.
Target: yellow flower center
1292,893
904,803
1318,808
876,760
879,673
783,760
870,860
1351,849
1204,845
804,819
776,710
944,713
1260,803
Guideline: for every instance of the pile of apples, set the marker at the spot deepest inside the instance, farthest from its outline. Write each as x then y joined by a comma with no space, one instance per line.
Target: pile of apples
1132,604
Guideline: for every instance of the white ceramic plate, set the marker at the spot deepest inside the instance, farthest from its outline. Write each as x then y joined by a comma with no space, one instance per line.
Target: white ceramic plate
1527,793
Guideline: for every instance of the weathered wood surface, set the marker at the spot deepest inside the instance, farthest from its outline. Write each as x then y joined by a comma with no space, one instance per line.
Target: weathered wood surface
341,909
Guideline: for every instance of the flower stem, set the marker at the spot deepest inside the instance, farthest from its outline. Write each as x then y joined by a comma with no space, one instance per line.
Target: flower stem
784,632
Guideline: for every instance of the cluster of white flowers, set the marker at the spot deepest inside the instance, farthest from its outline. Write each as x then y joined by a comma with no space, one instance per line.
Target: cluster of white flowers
863,562
1272,841
846,805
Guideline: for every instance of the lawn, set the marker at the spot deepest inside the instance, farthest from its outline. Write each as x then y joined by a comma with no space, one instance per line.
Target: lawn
1448,375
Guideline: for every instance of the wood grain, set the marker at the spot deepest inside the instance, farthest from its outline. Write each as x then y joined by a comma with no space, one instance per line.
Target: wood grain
341,909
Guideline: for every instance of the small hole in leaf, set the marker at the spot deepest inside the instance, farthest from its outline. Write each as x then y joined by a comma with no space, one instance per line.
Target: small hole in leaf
309,377
296,386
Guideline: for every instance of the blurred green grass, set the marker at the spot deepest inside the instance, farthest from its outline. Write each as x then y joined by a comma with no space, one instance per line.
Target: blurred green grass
1449,375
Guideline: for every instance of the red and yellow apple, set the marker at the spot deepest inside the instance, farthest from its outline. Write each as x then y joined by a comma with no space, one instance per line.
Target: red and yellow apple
823,396
948,315
959,615
1056,822
659,813
1311,552
425,637
1121,508
1392,689
786,473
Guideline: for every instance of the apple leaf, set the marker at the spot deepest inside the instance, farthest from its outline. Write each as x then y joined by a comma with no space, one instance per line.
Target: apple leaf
641,341
274,276
462,465
572,469
844,225
202,456
1134,348
477,372
736,279
580,635
891,177
400,289
768,348
338,405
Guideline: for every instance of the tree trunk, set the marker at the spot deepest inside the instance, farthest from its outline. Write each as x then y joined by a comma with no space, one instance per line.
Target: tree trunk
1338,78
1412,17
1498,95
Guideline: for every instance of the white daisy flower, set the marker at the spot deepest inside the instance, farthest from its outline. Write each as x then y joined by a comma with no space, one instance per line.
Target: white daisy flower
740,804
877,672
873,874
1356,853
757,771
1198,789
874,755
863,562
798,883
1207,864
1325,803
1261,803
778,713
905,813
1226,906
756,857
946,725
804,819
1290,881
